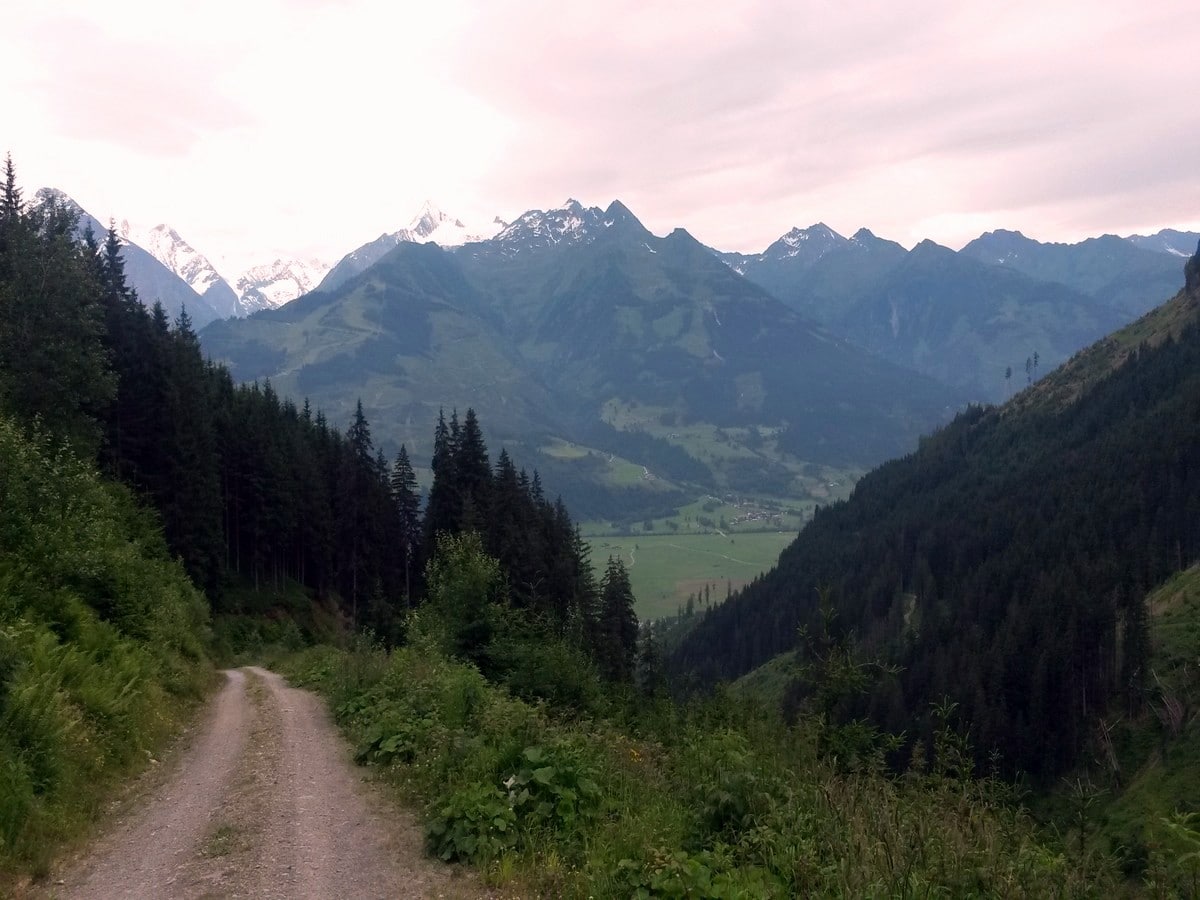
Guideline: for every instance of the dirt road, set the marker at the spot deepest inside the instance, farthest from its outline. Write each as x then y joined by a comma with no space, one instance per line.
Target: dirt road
263,803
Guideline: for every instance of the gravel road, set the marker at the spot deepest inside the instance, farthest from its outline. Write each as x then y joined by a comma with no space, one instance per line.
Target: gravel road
265,802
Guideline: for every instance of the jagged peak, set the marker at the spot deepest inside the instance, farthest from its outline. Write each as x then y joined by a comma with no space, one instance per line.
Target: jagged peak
617,208
681,235
56,196
929,244
1005,233
429,218
809,243
819,229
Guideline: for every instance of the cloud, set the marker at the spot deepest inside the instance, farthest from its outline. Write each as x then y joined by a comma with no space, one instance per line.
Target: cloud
702,112
151,98
264,125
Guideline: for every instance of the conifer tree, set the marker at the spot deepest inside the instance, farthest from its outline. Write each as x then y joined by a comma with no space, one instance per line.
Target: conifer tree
472,474
650,672
53,362
444,507
406,496
617,631
11,204
353,522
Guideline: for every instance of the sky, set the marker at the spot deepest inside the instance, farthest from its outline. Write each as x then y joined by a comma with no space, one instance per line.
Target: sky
260,128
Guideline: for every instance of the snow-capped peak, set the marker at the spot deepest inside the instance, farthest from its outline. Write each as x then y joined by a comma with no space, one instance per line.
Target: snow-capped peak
571,223
809,244
271,285
429,220
49,194
432,225
165,245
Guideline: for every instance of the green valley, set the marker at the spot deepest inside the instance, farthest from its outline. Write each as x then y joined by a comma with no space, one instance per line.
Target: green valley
653,623
666,570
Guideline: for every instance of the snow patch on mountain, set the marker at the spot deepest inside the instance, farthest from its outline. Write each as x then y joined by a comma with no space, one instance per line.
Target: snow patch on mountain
570,223
1169,241
272,285
433,226
808,243
166,245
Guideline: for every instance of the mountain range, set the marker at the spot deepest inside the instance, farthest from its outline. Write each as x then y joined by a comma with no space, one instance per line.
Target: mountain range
162,266
973,318
1003,566
576,324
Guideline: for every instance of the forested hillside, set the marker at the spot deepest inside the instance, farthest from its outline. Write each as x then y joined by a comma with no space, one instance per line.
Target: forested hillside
581,326
252,491
1004,565
102,635
120,447
497,680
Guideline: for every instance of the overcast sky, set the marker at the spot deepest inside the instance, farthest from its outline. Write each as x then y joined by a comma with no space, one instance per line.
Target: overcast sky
260,127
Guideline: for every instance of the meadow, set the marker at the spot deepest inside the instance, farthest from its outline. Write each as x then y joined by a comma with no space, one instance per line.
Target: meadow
665,568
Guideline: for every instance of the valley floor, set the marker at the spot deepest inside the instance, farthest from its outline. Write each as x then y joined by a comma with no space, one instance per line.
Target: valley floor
264,802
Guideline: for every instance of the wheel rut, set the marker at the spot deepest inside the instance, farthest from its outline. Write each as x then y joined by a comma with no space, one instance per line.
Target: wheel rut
265,802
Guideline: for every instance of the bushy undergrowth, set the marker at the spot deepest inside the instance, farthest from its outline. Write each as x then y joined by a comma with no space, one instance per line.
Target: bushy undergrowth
101,636
256,625
703,802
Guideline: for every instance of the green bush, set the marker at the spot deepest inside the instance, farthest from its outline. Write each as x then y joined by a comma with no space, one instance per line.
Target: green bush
555,789
101,638
705,801
474,824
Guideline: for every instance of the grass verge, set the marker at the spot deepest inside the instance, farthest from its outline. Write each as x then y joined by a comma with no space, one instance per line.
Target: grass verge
652,800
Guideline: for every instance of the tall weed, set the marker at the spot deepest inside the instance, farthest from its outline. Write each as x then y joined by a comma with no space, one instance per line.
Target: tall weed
670,802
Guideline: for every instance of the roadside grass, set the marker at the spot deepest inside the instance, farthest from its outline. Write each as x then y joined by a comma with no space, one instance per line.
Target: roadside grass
640,798
102,647
665,568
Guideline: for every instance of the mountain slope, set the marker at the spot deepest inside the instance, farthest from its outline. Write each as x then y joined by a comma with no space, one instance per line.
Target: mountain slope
429,225
152,280
1115,271
956,318
580,324
970,324
164,244
1003,565
272,285
661,323
779,266
408,336
1169,240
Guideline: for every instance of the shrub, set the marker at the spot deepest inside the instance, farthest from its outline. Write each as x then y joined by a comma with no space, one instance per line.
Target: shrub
474,824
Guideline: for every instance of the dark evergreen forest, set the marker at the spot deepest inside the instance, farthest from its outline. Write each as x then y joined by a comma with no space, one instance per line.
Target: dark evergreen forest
1002,566
253,490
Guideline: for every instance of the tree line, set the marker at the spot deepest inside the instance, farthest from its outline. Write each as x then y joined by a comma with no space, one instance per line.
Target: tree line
251,488
1003,566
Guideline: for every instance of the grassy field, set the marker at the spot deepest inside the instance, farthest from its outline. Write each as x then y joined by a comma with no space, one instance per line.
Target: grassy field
664,569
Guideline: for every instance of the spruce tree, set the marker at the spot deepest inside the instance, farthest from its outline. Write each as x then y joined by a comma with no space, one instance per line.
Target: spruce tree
406,497
617,631
53,362
442,512
650,670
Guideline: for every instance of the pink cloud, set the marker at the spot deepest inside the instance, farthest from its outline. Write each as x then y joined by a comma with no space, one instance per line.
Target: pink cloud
157,99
